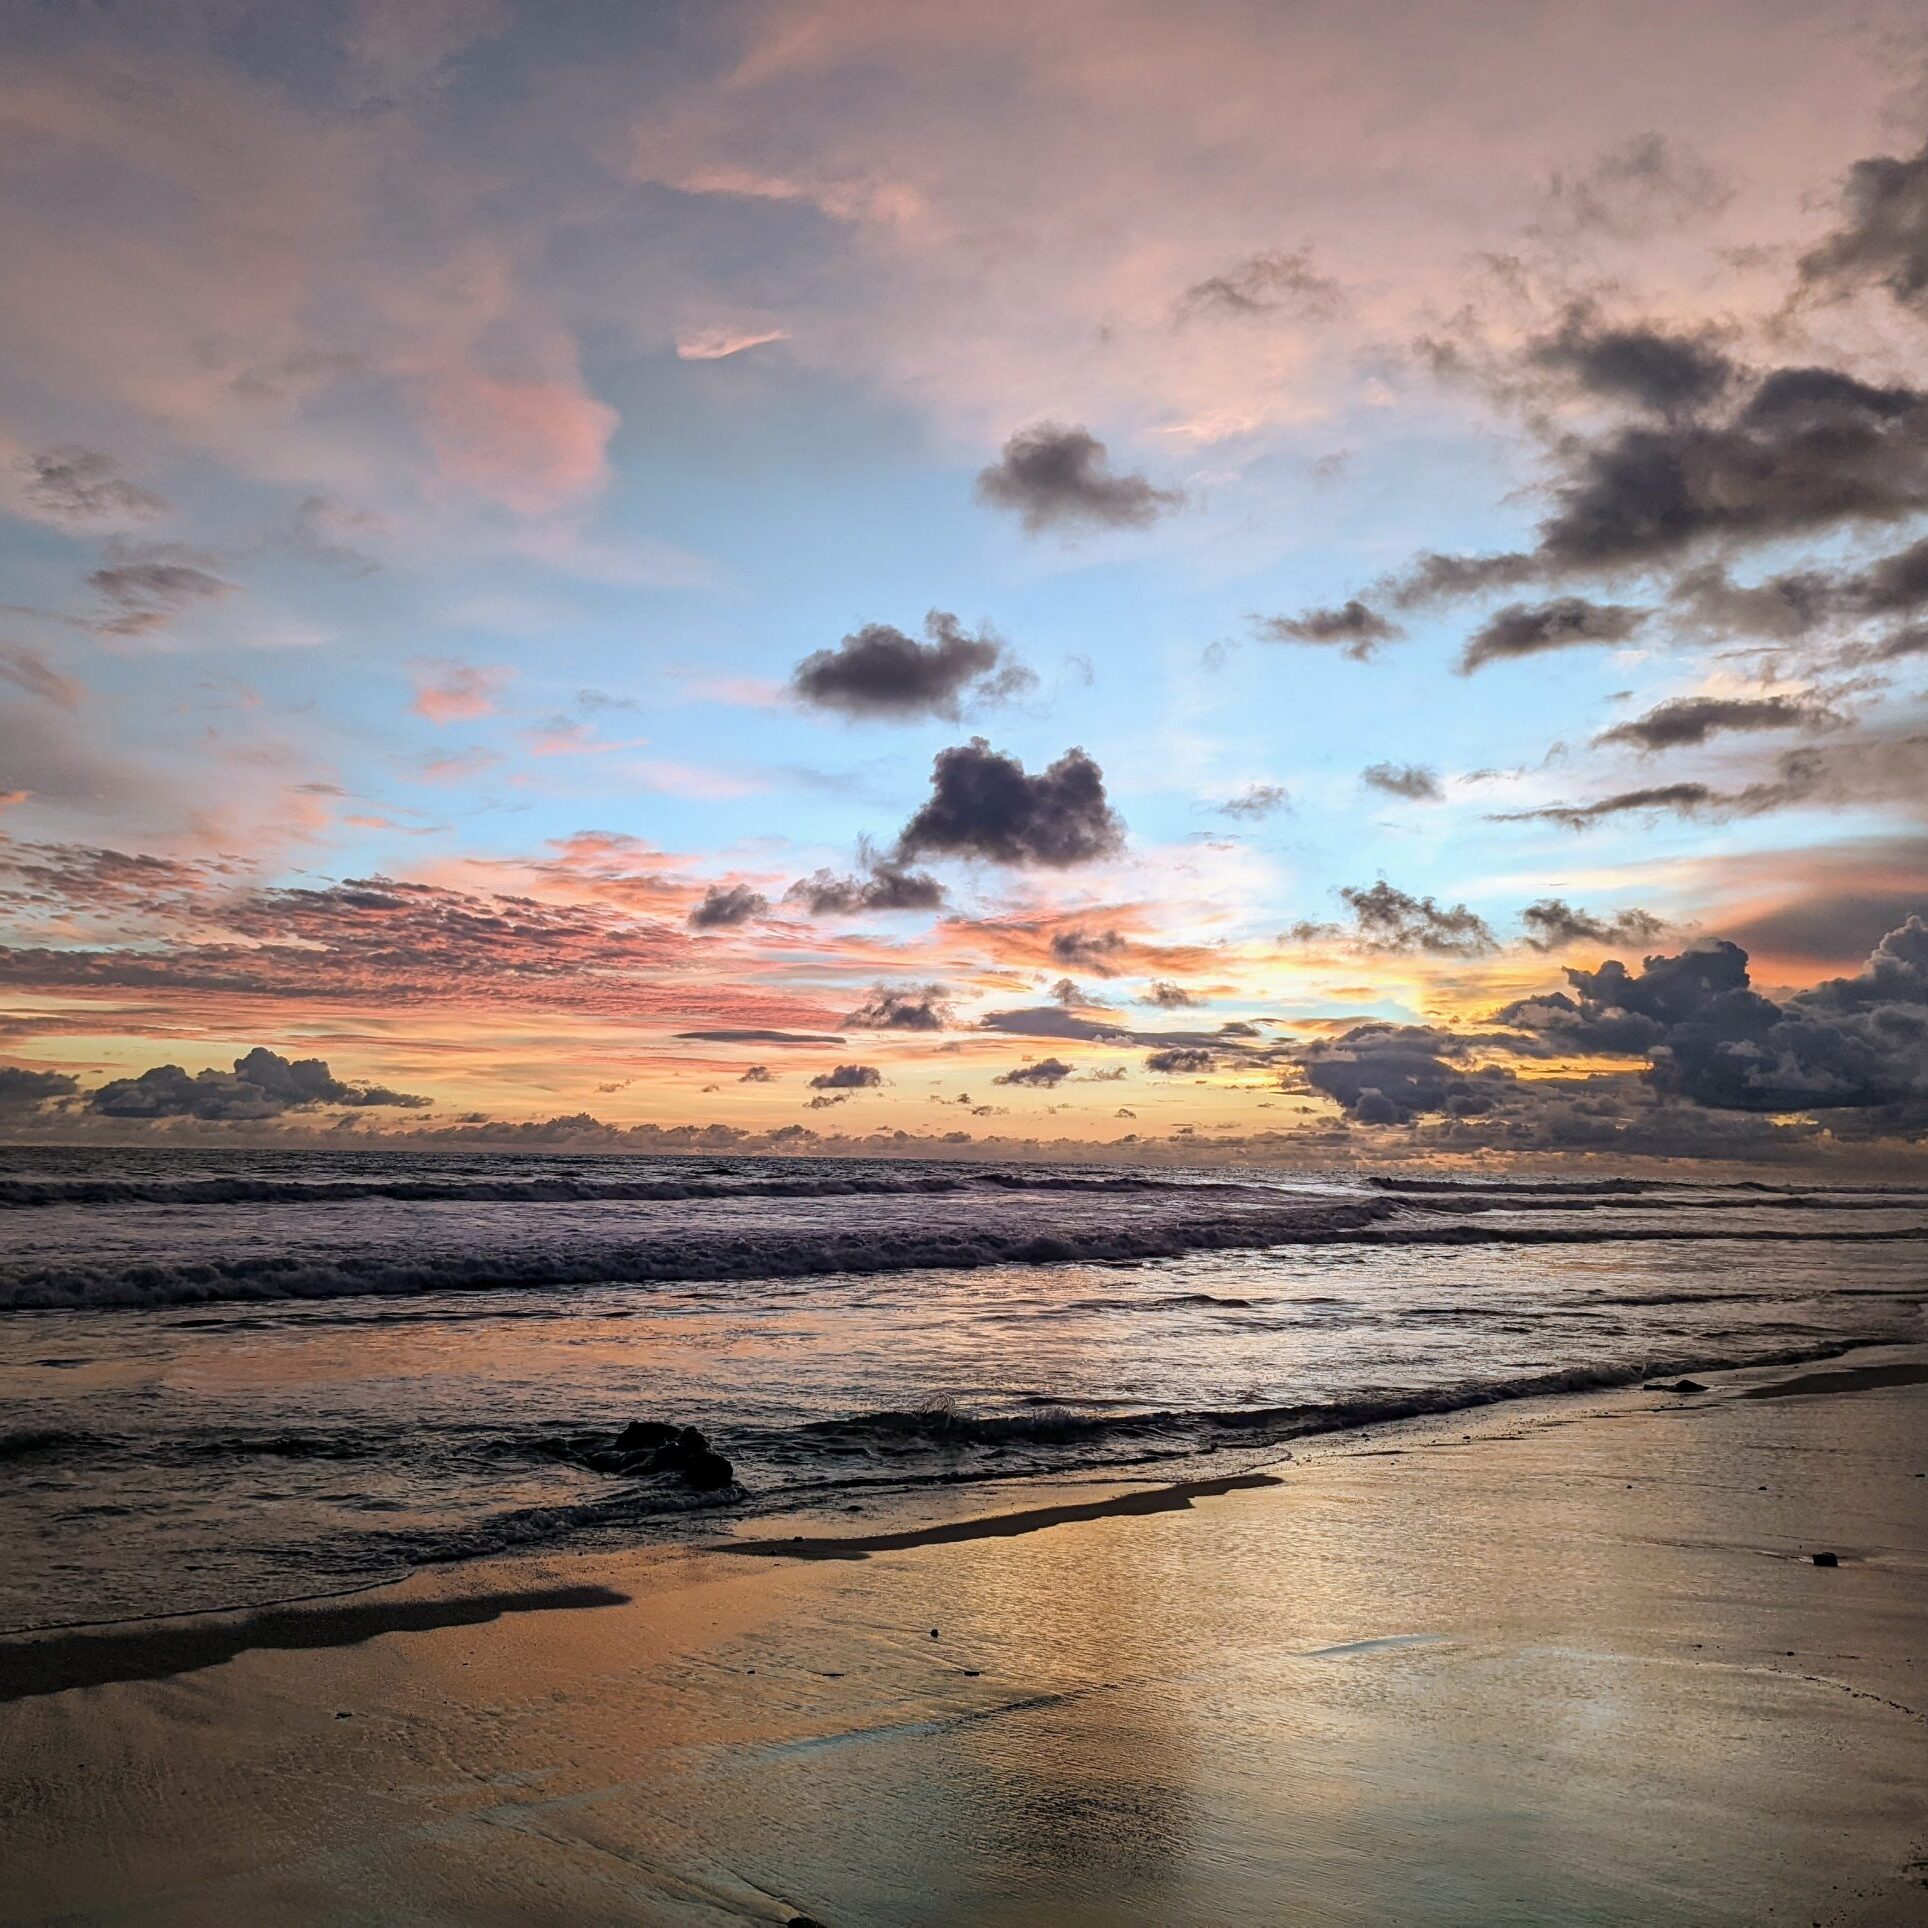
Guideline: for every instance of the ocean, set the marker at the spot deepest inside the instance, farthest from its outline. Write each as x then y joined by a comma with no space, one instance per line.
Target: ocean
230,1378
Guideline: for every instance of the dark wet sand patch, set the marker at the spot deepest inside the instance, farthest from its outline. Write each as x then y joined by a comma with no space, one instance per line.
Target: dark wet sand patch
1845,1379
52,1663
1000,1526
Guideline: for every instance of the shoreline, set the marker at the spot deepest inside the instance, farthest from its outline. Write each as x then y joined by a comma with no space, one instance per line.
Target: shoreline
1404,1627
1128,1484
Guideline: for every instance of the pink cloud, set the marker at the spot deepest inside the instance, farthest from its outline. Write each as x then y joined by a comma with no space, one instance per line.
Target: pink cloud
450,691
457,766
570,736
718,344
533,446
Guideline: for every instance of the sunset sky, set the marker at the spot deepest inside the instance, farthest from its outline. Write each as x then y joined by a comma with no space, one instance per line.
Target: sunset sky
999,573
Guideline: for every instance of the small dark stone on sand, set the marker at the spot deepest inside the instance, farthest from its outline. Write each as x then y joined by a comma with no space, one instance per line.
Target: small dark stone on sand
933,1633
1679,1385
342,1716
1827,1559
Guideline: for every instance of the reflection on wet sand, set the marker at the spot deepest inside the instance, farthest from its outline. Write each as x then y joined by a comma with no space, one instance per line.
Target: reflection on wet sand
1567,1663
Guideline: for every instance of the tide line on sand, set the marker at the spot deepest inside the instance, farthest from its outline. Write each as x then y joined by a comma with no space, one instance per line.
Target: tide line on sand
51,1663
1177,1498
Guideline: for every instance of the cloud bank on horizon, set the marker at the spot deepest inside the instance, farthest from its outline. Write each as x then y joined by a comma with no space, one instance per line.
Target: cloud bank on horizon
1426,647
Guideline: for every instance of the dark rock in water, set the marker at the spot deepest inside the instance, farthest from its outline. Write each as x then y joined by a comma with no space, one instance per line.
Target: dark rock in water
648,1449
1679,1385
645,1435
1827,1559
803,1921
685,1454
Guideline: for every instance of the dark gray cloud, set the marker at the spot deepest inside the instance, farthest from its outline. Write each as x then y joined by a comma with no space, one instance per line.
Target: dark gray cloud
1387,1074
880,672
1681,799
1256,801
1809,449
723,907
1553,924
984,805
1531,629
1912,641
1058,477
1895,585
903,1007
27,669
1780,608
25,1090
1432,577
1180,1061
263,1084
757,1074
147,588
1804,451
1693,719
1047,1072
1664,372
1798,601
1053,1021
1799,776
885,886
1167,996
1090,950
80,486
1264,284
1352,628
1854,1043
848,1077
1413,781
1883,237
1393,921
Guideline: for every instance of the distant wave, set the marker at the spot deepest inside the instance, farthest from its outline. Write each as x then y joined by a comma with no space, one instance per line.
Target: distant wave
670,1257
1467,1200
31,1442
21,1194
692,1256
1695,1191
1543,1187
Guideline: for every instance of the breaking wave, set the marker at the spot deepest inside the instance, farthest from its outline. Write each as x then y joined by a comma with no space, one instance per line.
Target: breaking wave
676,1256
22,1194
942,1445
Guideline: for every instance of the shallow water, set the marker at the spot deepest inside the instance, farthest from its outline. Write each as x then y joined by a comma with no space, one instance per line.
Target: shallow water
231,1378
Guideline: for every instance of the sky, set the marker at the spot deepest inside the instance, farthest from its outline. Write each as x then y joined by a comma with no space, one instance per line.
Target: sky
1322,581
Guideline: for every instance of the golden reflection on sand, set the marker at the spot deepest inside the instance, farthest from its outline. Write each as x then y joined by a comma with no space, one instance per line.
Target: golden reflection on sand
1578,1668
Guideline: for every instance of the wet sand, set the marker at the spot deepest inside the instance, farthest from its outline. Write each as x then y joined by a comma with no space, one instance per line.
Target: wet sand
1568,1661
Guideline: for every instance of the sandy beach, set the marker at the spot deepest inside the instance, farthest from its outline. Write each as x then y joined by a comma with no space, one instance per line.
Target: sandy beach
1568,1660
